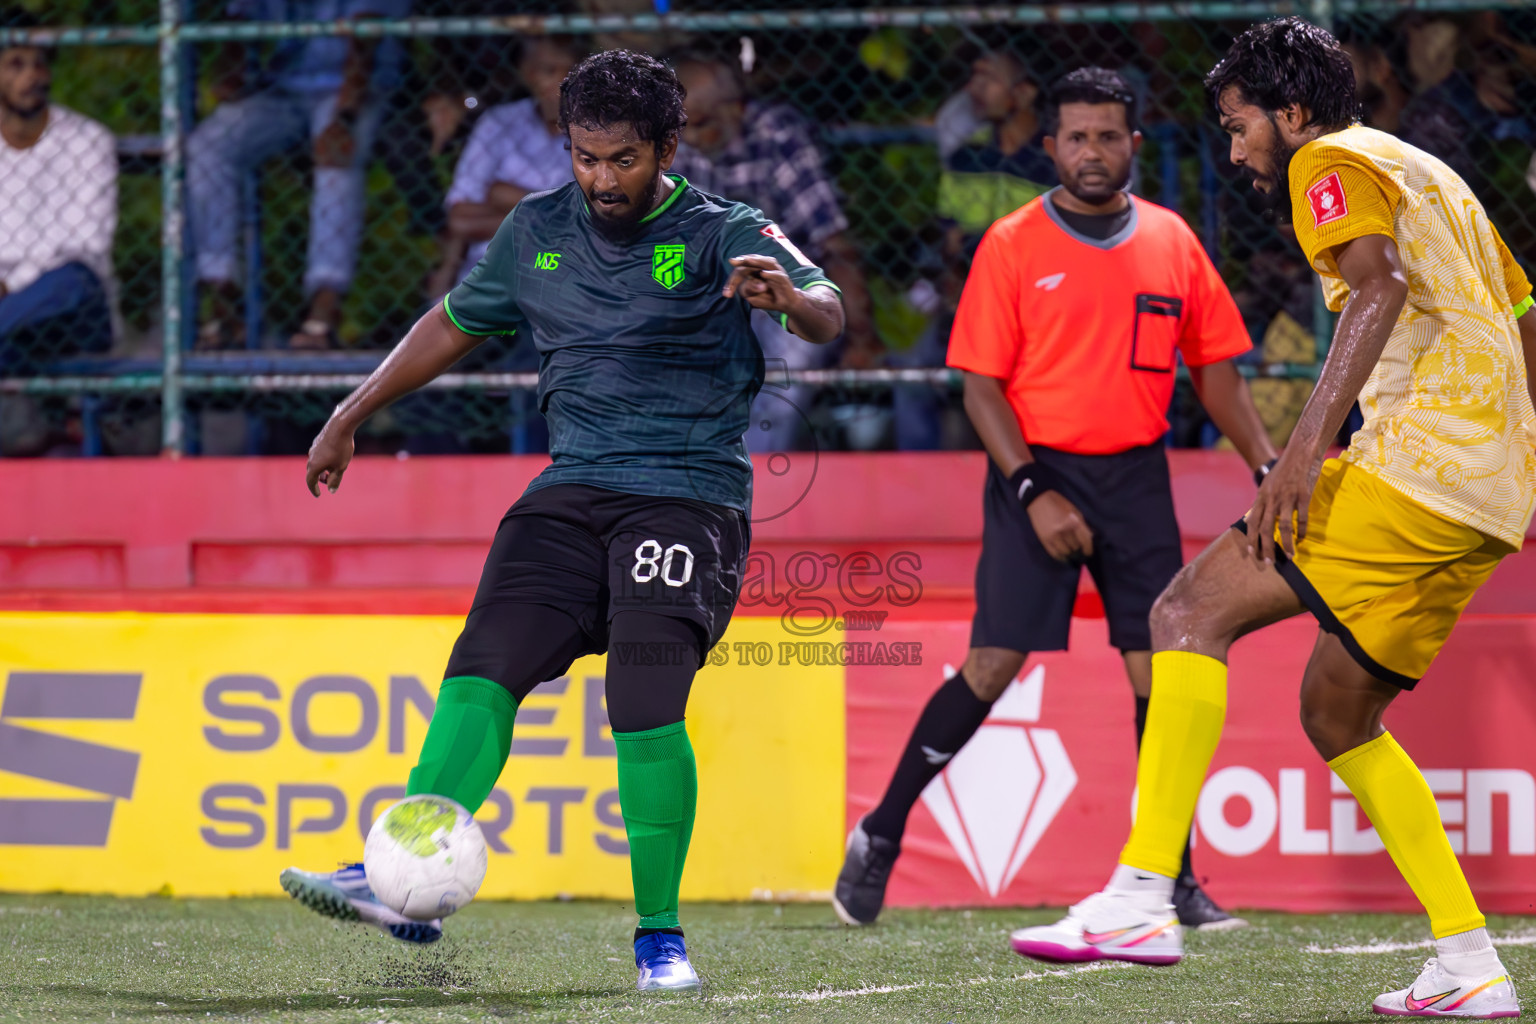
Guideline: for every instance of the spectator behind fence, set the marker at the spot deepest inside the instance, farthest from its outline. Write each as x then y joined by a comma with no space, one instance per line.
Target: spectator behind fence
58,210
1378,85
515,149
327,90
1005,166
998,169
1444,117
764,154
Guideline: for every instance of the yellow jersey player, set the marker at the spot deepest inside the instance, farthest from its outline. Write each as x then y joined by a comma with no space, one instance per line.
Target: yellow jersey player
1384,545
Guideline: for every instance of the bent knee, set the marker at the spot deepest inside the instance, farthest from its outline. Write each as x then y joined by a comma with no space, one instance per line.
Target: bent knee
1190,616
1332,735
989,670
1175,614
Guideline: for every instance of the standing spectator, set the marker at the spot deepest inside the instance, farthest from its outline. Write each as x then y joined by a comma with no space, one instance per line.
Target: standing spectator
989,177
516,149
764,154
58,210
329,90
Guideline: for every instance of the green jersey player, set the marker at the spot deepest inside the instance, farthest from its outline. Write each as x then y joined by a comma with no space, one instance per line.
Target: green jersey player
636,289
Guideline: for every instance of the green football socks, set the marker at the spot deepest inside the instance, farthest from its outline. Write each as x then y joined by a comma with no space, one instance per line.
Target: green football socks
658,790
466,747
467,743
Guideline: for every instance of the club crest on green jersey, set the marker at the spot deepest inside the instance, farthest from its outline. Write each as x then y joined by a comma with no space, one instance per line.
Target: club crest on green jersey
667,265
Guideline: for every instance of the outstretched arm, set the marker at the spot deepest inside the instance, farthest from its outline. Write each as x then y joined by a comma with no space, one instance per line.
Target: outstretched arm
1372,268
431,346
814,313
1225,396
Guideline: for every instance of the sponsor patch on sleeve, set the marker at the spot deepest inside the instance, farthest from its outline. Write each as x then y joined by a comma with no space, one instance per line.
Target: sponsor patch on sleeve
776,233
1327,199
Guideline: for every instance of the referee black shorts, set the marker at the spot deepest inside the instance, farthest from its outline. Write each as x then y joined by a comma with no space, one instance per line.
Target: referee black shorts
592,553
1024,597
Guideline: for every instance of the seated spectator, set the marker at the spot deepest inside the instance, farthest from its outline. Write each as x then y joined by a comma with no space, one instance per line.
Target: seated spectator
764,154
1005,167
330,91
58,210
515,149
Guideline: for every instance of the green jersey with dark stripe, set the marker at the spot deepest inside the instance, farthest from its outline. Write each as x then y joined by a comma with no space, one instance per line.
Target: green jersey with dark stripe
646,371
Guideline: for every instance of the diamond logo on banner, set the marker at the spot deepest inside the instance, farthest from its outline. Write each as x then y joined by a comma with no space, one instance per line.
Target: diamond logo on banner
995,799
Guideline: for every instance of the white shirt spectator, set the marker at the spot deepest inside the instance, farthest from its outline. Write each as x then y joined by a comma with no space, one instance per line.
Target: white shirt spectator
510,143
58,200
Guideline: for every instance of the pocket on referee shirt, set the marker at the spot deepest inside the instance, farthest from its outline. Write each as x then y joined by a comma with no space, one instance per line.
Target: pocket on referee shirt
1156,332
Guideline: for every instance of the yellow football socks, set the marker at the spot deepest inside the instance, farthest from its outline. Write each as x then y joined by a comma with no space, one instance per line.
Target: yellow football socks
1399,803
1189,704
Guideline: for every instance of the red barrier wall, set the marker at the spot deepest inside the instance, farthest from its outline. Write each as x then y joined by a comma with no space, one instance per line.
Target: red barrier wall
409,534
1032,811
1037,806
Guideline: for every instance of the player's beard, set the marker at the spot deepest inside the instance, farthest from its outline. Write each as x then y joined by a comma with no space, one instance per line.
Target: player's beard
1099,194
1276,203
620,227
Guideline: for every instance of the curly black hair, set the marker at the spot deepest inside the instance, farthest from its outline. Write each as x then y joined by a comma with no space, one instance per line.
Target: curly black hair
1289,60
624,87
1088,85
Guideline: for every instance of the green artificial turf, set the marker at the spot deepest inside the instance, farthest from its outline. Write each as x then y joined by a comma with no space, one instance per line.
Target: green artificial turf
96,958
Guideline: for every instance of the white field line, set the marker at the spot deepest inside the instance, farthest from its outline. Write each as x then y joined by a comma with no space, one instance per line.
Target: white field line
817,995
1399,947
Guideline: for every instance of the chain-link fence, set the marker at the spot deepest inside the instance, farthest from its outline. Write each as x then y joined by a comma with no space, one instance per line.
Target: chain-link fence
238,206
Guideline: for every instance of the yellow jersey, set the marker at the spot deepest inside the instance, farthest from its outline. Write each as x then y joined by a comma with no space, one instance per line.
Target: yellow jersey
1448,417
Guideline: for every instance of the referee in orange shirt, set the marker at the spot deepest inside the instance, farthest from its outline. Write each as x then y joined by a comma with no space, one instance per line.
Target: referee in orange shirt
1068,329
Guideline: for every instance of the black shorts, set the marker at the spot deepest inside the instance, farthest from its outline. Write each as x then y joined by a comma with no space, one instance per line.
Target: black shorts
592,553
1024,597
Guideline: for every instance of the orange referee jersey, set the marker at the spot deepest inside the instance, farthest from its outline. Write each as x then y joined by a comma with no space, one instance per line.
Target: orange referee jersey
1083,332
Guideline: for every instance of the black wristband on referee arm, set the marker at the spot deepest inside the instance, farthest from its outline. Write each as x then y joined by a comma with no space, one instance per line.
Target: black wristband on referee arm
1031,480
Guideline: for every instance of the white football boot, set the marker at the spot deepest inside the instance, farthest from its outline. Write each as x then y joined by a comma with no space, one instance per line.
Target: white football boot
1107,926
1438,992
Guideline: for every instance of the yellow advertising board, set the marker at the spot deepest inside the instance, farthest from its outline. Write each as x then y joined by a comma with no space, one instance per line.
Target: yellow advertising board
202,754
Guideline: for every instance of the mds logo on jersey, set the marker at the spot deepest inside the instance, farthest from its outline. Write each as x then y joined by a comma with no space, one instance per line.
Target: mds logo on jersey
667,265
994,827
106,772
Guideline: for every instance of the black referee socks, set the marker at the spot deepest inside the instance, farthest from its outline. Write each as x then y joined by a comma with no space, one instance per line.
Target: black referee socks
951,717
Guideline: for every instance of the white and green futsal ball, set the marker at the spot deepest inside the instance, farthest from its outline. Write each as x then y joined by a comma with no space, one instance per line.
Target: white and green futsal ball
425,857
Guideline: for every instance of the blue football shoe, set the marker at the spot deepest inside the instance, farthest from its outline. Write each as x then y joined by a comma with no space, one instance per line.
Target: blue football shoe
663,963
346,895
